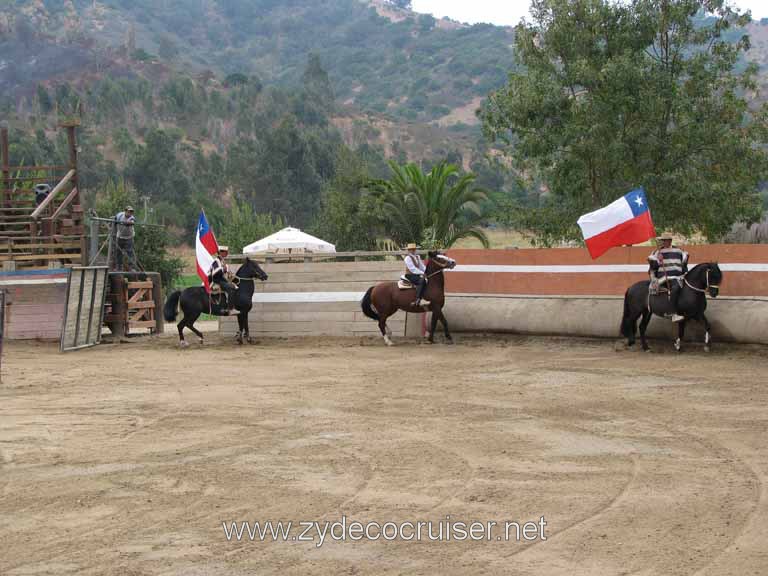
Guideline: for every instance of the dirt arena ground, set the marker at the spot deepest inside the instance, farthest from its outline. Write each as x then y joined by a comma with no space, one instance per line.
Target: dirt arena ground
126,459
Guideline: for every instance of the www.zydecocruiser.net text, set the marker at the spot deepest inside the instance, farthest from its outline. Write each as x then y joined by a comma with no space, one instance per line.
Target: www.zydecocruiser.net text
346,530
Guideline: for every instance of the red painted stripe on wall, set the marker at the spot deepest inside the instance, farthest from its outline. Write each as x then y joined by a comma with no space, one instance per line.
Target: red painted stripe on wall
584,284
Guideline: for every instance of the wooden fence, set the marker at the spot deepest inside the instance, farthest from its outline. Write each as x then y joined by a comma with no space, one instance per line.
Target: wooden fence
134,303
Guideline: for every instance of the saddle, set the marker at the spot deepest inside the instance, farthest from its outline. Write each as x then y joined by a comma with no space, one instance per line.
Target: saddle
654,289
404,284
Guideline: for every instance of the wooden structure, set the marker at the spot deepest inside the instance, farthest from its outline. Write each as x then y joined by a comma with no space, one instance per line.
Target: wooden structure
48,234
35,303
2,328
84,311
134,302
319,294
530,291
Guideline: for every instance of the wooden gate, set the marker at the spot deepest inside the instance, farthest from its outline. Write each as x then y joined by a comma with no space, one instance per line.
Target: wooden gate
84,308
134,303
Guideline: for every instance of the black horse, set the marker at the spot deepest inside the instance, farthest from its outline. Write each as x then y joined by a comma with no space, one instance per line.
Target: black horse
196,301
692,302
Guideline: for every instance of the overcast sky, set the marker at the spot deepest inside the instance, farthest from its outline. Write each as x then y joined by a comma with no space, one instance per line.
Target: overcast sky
509,12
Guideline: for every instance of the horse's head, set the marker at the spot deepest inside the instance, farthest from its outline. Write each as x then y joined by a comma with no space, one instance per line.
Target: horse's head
251,269
714,278
440,260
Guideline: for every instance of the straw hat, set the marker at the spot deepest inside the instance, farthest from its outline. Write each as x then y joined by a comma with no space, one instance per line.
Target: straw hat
411,246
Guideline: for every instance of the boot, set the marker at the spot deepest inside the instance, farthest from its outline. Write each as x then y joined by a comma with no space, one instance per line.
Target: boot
674,293
419,294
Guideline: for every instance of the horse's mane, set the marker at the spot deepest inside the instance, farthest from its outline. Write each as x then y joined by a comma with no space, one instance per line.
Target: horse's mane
713,266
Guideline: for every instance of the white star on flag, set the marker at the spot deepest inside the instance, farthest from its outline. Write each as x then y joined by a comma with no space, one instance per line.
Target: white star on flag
638,200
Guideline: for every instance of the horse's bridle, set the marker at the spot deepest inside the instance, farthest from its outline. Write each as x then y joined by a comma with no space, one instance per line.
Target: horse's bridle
701,290
440,270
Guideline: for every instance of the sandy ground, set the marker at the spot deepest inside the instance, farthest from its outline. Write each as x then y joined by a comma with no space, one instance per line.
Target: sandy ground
127,458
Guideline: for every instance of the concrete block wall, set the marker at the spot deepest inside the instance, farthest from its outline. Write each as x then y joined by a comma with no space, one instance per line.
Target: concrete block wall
558,291
323,298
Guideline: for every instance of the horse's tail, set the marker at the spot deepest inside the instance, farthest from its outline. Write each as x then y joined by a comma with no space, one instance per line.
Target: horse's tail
627,328
365,304
171,306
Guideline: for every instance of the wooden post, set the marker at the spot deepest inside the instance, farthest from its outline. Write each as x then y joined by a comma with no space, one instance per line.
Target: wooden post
6,162
93,250
117,320
157,297
72,140
2,327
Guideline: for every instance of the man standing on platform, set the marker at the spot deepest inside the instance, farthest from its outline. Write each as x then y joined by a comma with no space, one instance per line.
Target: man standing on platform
126,231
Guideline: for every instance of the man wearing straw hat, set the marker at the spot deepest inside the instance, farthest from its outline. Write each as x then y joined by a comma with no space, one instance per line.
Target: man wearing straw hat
219,274
668,265
415,271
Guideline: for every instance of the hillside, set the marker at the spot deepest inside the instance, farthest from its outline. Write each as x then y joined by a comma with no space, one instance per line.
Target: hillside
204,102
379,58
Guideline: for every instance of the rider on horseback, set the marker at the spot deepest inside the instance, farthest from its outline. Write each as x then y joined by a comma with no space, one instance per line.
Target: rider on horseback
219,274
415,271
668,265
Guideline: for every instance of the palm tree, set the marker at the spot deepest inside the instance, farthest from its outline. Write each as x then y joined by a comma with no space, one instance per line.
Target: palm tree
437,208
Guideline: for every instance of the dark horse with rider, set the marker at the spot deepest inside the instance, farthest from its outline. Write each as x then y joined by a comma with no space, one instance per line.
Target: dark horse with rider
235,296
672,292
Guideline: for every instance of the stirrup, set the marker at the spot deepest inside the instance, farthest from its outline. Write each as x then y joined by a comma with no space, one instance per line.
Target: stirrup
677,318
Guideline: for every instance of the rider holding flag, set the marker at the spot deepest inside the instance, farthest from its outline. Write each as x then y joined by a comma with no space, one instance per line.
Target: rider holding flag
668,265
219,274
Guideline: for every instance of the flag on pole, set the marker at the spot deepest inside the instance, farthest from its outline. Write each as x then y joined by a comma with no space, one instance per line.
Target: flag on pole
205,248
625,221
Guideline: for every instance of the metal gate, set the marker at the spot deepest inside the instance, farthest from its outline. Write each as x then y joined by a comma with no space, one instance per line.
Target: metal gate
84,313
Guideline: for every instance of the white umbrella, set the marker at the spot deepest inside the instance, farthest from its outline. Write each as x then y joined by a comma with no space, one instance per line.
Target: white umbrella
289,239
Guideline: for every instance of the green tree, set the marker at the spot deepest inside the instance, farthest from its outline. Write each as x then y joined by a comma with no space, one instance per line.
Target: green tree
437,208
317,84
242,226
346,218
151,243
616,95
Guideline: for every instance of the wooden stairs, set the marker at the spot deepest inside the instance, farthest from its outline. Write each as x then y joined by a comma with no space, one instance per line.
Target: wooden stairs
50,234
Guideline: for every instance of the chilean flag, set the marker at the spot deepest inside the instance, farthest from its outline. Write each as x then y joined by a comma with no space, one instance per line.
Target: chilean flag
205,247
626,221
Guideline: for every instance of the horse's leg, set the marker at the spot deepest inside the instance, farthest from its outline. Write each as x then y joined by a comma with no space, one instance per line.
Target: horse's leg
183,322
707,337
680,335
385,331
240,329
191,326
448,337
433,325
246,328
631,326
643,326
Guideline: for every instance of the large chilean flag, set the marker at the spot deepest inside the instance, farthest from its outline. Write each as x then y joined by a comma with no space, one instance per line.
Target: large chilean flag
205,247
626,221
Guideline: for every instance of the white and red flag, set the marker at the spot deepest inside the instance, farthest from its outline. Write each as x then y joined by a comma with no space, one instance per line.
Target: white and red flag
625,221
205,249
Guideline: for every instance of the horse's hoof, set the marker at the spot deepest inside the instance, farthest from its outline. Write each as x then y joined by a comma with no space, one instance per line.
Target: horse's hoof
707,349
250,340
646,349
202,341
449,341
183,344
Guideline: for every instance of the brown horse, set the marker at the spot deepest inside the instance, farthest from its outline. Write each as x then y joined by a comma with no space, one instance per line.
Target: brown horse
385,299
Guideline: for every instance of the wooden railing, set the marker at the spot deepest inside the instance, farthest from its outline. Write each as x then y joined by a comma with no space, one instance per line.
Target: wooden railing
360,256
53,193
